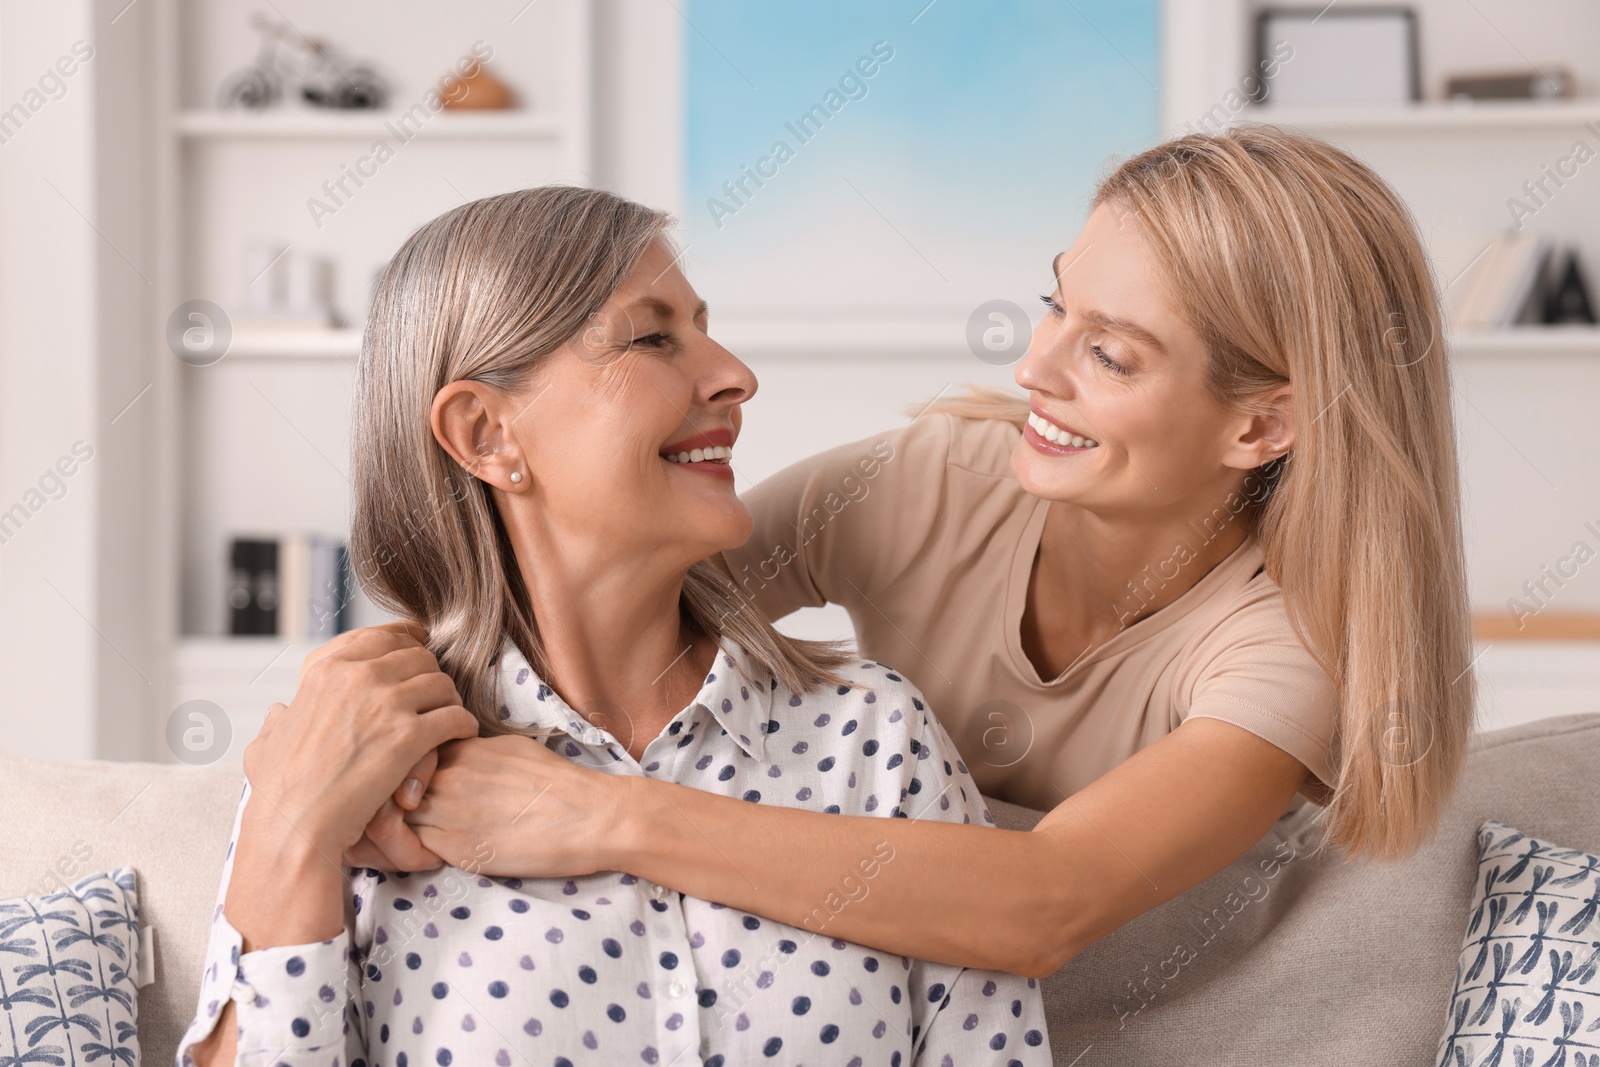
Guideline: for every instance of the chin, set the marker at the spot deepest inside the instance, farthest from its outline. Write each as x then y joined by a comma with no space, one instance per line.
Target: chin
720,532
1042,478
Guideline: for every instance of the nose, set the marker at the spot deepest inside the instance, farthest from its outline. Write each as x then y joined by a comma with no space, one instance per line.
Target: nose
726,380
1049,366
1040,370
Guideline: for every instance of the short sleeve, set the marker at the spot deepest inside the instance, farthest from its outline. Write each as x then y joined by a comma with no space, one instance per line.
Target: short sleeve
294,1004
1254,672
841,526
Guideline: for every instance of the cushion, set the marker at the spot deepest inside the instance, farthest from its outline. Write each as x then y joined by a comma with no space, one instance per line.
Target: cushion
68,973
1526,990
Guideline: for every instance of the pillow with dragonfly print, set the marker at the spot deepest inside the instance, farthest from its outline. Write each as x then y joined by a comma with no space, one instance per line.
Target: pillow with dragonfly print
1526,991
68,971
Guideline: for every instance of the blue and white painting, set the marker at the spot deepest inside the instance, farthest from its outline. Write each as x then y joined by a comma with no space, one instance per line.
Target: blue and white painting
905,157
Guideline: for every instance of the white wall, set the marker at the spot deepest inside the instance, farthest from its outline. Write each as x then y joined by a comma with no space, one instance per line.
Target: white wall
73,273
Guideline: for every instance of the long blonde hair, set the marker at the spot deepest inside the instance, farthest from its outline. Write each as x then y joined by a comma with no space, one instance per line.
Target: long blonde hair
1296,263
486,292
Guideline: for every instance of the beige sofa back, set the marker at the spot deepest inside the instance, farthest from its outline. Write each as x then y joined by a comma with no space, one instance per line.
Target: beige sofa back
1323,961
1315,962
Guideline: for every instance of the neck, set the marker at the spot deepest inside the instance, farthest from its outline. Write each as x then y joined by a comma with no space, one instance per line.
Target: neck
616,646
1096,575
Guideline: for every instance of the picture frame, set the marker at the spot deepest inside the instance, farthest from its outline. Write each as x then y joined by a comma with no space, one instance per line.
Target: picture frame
1339,55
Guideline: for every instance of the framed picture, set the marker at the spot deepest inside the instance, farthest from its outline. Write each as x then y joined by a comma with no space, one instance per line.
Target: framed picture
1339,55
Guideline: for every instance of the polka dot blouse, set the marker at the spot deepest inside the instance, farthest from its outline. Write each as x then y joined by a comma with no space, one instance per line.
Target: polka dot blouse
448,967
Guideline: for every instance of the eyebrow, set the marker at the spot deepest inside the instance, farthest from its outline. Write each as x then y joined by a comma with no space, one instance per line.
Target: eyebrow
666,310
1111,322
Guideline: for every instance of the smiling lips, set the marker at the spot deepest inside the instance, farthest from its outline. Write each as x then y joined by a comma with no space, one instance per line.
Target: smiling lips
708,453
1053,433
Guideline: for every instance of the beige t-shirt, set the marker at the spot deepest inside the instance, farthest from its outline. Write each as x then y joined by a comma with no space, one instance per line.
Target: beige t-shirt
924,535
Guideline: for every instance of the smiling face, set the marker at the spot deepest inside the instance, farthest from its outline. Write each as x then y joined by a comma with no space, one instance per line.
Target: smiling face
1122,420
624,434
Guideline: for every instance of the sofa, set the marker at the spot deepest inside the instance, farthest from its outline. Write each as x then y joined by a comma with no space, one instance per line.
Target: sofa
1294,955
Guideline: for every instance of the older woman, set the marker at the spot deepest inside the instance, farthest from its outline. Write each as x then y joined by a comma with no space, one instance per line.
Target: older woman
542,452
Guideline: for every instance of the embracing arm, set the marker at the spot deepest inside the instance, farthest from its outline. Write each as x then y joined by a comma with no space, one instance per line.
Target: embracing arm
1158,824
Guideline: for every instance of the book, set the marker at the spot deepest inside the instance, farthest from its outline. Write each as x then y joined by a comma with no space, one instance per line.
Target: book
1566,299
294,579
252,586
1504,282
328,590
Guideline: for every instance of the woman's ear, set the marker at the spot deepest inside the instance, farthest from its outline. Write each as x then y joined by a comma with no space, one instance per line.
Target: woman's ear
467,421
1268,433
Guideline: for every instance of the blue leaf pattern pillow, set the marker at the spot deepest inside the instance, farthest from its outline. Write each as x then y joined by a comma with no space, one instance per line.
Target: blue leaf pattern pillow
68,975
1526,993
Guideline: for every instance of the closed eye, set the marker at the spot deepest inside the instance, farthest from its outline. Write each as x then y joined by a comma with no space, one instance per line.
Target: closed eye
1106,361
1099,353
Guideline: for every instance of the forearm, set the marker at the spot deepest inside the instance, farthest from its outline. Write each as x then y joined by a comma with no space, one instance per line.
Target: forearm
968,895
281,891
284,889
282,895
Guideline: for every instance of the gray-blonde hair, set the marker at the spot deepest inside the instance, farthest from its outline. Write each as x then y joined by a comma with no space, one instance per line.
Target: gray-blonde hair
486,292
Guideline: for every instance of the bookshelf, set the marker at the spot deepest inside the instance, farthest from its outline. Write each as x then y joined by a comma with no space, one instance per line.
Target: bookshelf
256,443
1434,116
290,343
360,126
1579,341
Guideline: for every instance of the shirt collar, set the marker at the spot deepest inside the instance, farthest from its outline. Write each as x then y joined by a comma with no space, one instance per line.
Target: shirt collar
737,693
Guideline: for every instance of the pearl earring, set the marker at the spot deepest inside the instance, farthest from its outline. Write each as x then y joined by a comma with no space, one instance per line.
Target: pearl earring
516,476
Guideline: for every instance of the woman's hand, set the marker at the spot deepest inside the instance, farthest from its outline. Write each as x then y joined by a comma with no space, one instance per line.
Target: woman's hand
370,705
509,806
390,844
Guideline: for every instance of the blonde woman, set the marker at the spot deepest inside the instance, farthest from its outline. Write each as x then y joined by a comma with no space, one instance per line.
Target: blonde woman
1209,571
542,437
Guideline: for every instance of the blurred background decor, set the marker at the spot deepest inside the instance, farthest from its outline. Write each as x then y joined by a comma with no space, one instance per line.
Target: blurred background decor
1554,83
475,88
1343,54
290,65
183,285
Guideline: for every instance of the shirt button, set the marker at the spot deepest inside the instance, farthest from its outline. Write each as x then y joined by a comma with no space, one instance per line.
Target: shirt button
676,989
659,891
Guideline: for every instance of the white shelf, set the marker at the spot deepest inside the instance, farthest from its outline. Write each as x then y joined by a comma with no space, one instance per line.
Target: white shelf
1536,340
1430,116
240,660
294,343
362,125
844,334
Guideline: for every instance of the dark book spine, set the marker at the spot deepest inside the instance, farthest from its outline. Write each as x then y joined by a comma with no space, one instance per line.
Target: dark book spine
253,587
347,588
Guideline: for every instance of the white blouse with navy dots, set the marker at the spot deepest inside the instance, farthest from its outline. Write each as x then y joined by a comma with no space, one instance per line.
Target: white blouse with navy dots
447,967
